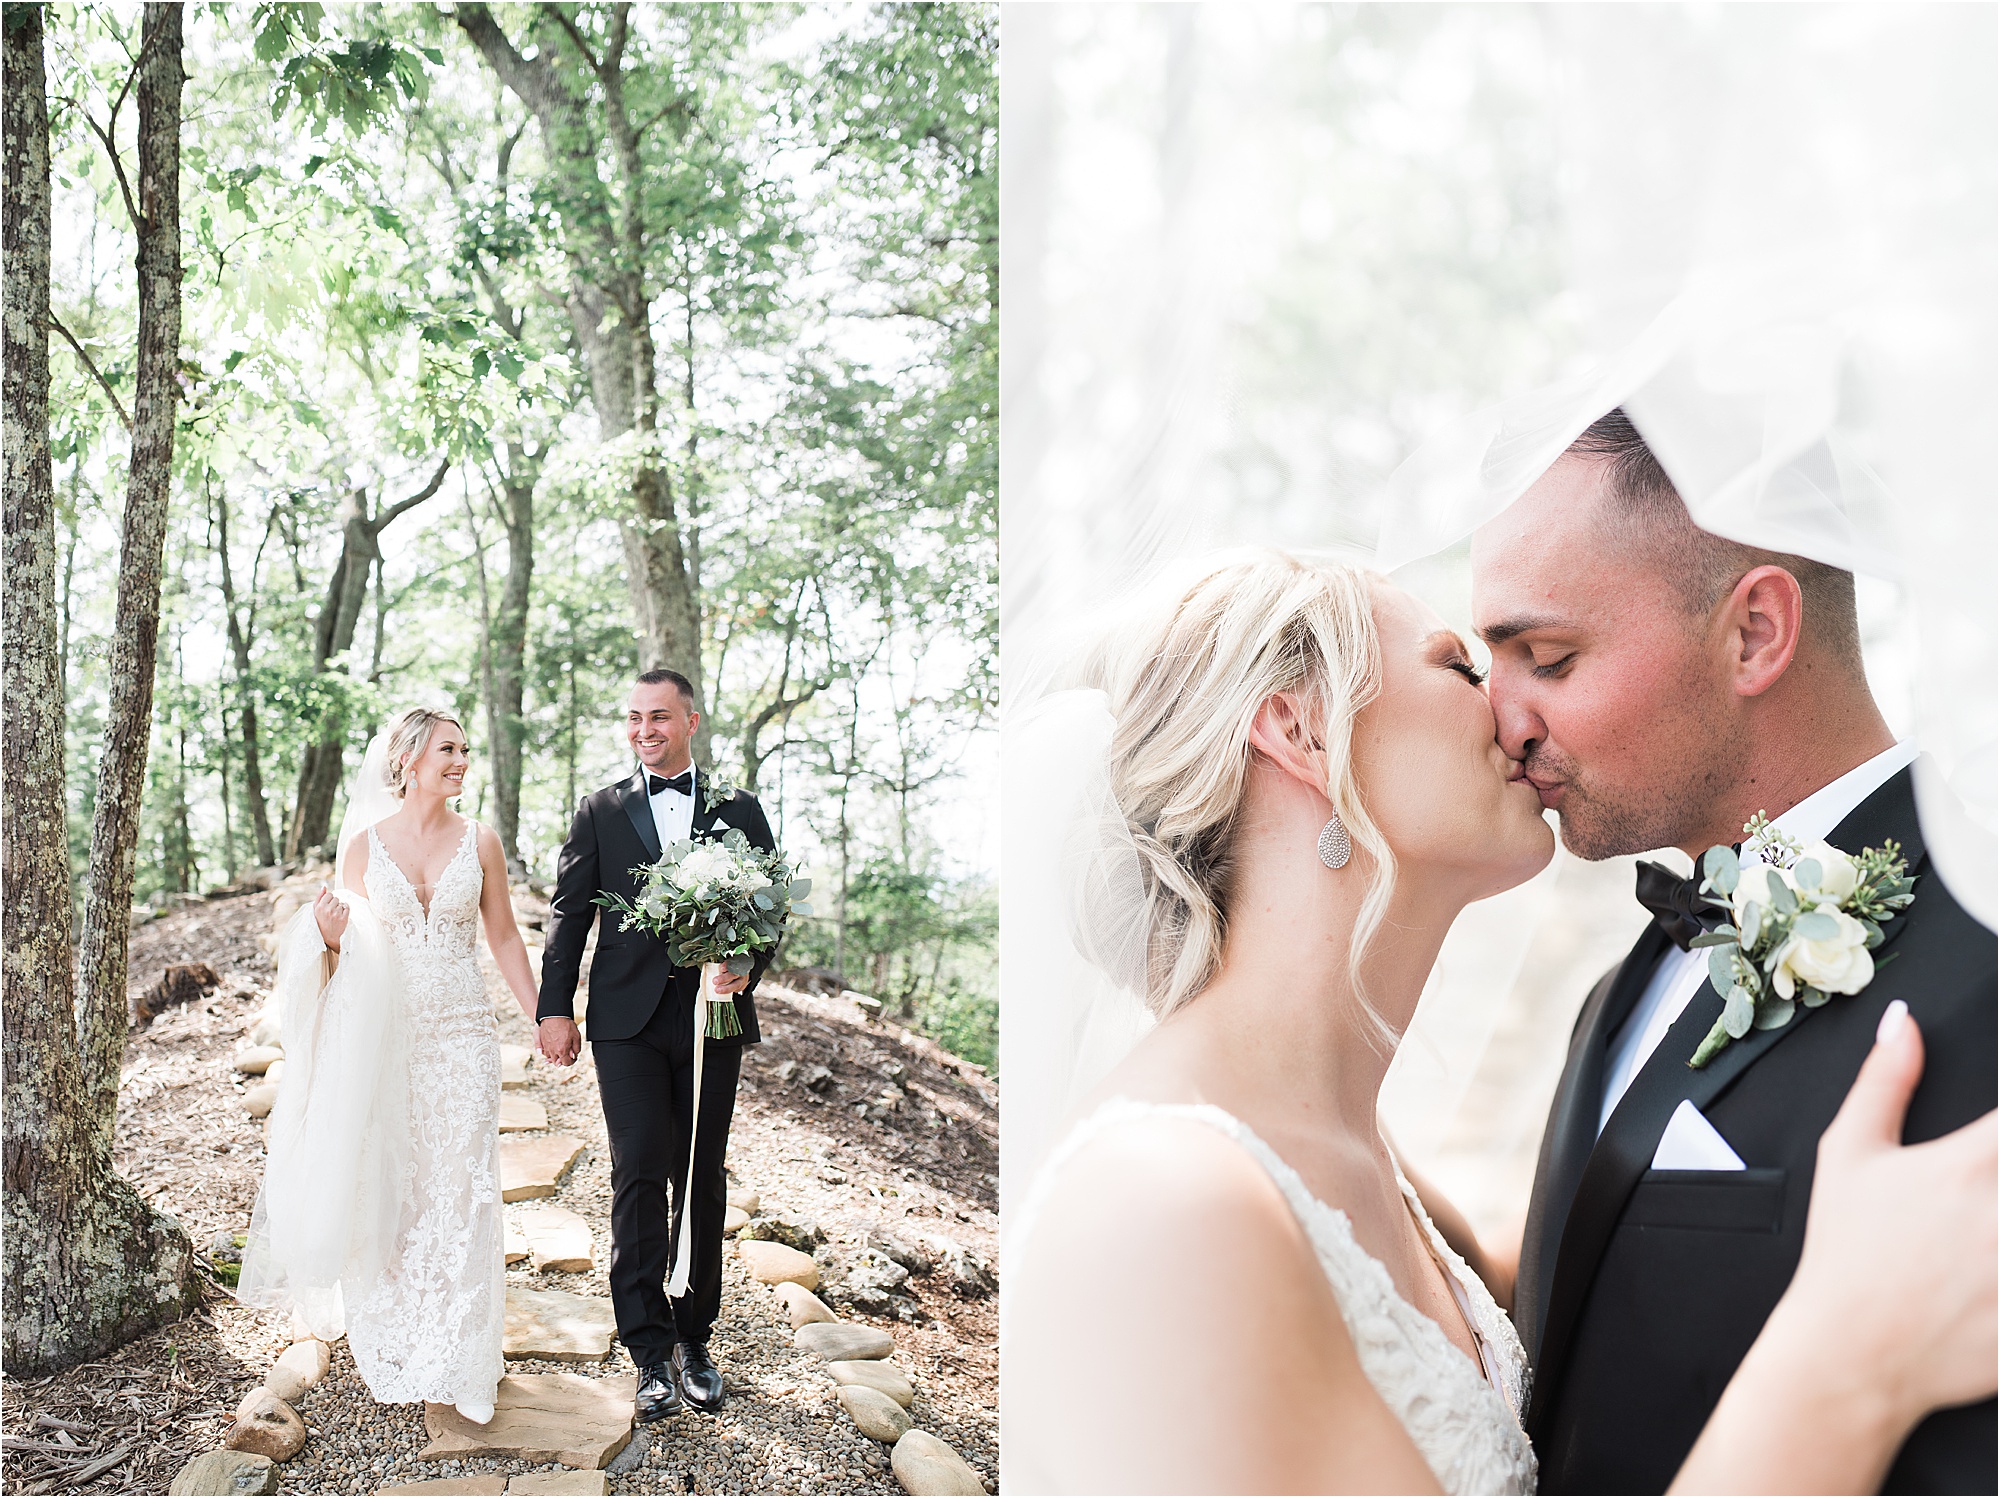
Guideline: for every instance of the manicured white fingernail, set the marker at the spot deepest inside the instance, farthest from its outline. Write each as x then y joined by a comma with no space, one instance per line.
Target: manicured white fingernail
1893,1019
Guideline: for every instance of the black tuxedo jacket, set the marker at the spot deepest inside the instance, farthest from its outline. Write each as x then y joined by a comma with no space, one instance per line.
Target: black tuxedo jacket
630,976
1641,1290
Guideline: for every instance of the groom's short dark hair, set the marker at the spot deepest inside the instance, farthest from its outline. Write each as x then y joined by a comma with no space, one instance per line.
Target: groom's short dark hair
660,675
1650,515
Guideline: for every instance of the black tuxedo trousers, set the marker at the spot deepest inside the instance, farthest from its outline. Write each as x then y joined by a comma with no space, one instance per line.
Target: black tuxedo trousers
641,1029
1641,1290
645,1083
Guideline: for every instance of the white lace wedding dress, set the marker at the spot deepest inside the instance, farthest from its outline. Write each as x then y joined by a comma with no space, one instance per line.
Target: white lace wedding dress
430,1328
379,1215
1463,1419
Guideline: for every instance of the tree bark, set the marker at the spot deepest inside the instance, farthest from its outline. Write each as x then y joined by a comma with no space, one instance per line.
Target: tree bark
507,641
609,309
239,651
88,1263
340,613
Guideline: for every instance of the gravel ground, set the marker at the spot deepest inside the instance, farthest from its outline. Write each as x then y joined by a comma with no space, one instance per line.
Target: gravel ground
821,1132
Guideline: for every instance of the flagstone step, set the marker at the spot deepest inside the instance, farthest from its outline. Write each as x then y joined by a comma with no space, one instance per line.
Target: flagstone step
557,1326
517,1245
559,1482
558,1239
514,1061
520,1114
535,1165
540,1417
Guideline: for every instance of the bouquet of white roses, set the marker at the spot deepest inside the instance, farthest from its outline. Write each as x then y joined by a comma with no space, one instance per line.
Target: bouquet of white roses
715,904
1804,922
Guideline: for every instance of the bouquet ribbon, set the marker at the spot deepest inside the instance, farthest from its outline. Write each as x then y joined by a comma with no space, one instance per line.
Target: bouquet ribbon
677,1284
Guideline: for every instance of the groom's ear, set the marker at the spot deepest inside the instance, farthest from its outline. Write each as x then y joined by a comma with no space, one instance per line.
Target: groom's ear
1764,618
1283,733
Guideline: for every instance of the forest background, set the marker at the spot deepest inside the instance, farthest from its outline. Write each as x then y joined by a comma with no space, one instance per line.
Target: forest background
523,349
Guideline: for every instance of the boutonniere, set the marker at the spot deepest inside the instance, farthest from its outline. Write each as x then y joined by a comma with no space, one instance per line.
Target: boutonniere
716,789
1804,922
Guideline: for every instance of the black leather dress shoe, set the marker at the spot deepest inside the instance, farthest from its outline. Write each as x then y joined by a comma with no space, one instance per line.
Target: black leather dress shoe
659,1393
700,1379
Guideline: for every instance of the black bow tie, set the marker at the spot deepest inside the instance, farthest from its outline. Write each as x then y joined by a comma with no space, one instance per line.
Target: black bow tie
1678,906
683,782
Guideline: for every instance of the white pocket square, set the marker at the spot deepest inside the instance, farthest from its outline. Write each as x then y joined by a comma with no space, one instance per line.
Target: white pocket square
1691,1143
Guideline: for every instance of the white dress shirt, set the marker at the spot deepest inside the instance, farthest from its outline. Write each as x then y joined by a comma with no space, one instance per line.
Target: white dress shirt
673,813
1680,975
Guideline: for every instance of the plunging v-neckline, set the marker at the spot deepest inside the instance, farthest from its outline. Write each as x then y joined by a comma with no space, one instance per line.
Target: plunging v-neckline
410,884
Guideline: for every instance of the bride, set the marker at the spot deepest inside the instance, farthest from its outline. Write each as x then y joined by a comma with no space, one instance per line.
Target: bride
379,1213
1302,789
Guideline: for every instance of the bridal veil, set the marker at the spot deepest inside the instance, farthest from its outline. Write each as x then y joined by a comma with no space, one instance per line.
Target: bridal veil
338,1137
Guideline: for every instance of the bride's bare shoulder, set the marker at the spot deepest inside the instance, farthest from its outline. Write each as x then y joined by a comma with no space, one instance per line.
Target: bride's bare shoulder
1183,1184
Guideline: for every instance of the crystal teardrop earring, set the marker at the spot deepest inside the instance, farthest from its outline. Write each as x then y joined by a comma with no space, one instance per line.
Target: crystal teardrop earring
1334,847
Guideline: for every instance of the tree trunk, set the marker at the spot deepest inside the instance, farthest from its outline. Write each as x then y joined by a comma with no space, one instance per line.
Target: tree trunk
340,613
610,313
239,651
88,1263
507,642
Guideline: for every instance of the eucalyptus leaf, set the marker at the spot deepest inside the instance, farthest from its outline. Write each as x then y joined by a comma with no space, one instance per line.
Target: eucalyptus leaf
1816,925
1738,1013
1722,966
1812,998
1783,901
1774,1014
1720,866
1722,936
1807,873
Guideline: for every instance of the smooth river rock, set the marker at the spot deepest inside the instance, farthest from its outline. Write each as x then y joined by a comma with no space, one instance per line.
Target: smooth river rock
558,1239
298,1368
534,1165
261,1099
874,1413
744,1200
884,1378
257,1060
540,1417
732,1219
841,1341
773,1263
558,1326
801,1305
924,1464
226,1472
267,1426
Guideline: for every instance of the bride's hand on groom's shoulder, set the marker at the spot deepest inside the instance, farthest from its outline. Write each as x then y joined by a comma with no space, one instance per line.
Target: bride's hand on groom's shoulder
1901,1241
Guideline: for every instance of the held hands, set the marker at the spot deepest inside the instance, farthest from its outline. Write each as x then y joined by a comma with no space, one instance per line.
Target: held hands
559,1040
1902,1243
330,912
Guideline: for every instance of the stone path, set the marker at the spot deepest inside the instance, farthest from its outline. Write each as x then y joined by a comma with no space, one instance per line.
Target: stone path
856,1164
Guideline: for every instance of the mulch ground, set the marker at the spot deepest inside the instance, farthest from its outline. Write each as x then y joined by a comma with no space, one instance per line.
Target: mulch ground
866,1128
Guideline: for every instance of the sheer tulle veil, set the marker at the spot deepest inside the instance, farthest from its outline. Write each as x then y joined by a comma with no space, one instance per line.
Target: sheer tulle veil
1075,939
327,1212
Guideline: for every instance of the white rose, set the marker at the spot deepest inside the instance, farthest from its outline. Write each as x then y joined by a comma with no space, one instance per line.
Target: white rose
1754,883
1837,874
1833,964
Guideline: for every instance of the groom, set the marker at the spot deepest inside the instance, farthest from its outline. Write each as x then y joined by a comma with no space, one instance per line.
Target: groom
1658,697
642,1018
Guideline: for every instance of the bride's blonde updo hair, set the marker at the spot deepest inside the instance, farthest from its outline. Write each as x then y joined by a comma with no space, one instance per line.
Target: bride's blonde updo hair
409,735
1184,687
